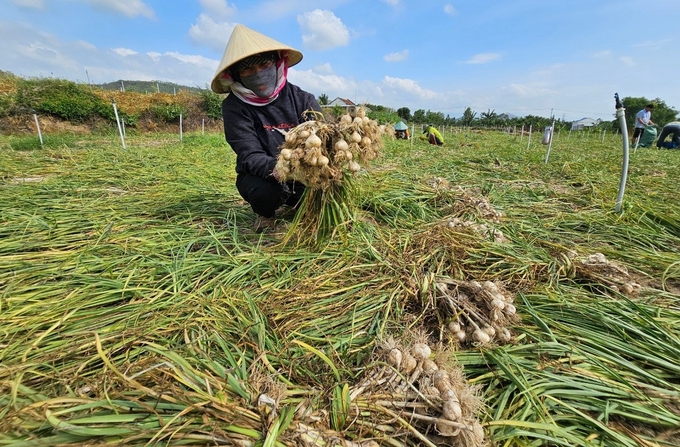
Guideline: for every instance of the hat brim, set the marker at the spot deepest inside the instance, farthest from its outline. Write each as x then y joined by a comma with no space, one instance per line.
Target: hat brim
244,43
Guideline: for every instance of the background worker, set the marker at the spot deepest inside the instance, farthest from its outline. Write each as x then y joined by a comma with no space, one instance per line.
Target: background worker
673,129
261,107
643,119
433,135
401,131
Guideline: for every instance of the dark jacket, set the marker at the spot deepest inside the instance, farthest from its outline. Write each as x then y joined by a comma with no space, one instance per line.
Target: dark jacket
251,130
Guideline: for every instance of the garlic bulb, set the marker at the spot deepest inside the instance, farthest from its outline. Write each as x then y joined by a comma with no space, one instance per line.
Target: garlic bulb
421,351
394,357
481,337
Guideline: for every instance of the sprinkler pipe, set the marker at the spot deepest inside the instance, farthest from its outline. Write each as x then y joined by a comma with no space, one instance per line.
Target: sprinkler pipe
621,115
550,136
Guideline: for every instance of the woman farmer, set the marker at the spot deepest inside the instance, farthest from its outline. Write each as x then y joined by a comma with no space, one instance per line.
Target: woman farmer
401,131
433,135
261,106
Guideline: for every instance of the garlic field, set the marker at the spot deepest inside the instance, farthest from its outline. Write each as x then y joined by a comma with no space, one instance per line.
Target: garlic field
480,296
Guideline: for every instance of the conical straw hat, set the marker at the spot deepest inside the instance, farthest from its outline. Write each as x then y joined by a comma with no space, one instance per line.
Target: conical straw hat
245,42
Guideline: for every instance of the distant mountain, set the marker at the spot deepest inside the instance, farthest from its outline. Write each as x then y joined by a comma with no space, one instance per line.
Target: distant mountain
147,87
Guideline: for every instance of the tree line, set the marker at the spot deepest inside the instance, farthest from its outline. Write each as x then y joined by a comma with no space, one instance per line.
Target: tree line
662,114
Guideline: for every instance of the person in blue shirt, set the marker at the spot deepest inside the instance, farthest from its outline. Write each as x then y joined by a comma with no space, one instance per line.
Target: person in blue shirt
261,106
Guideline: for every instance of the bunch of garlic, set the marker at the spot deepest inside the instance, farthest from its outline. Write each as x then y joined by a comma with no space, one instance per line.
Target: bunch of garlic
481,311
318,153
438,384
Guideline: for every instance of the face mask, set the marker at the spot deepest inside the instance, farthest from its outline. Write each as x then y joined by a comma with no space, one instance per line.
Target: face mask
261,83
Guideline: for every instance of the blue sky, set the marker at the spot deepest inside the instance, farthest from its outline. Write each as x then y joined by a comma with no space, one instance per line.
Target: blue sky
514,56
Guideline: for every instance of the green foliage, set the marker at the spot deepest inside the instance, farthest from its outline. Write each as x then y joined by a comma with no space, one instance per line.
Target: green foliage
168,112
147,87
61,98
211,103
382,114
536,122
6,104
337,111
323,99
404,113
468,117
489,118
32,142
28,143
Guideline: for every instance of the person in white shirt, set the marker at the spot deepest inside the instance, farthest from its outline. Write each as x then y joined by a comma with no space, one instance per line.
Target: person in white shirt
642,120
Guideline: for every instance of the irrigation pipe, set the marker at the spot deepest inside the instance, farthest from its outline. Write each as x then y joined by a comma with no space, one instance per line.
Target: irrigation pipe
120,129
550,138
621,115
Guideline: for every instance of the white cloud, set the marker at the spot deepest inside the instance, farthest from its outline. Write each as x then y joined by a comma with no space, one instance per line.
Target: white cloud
207,31
527,91
218,8
603,53
627,60
85,45
396,57
124,52
322,30
324,69
331,84
193,59
32,4
30,52
653,44
450,10
483,58
213,26
129,8
408,86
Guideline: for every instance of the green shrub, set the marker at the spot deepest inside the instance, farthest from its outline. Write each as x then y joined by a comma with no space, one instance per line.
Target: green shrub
168,112
211,104
6,104
105,110
64,99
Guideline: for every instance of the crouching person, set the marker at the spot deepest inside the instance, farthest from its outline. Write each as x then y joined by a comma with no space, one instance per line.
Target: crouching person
433,136
261,106
671,129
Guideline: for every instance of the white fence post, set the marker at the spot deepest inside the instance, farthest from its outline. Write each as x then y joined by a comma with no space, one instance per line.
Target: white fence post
529,139
120,129
37,126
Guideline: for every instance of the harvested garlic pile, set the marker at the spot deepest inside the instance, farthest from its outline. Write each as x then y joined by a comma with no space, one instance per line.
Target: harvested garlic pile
318,154
478,312
428,382
479,228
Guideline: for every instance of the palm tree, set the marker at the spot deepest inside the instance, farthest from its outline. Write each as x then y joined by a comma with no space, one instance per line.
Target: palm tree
323,99
468,117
